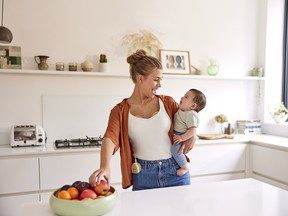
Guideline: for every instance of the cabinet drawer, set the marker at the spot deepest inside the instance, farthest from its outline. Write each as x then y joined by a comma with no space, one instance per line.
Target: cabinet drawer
12,205
19,175
56,171
213,159
270,162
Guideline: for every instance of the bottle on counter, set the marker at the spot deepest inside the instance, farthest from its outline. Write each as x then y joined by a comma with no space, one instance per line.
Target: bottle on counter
229,129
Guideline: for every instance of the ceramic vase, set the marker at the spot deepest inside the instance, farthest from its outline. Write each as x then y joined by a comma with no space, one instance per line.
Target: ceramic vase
213,68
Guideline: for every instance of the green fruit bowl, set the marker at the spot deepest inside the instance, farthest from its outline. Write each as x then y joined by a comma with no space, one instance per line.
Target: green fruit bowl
94,207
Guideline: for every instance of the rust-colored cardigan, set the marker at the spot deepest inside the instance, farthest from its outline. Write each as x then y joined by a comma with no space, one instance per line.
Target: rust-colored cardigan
117,132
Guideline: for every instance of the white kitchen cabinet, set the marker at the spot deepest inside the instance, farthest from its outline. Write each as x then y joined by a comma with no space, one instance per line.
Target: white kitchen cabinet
19,175
270,163
12,205
56,171
217,159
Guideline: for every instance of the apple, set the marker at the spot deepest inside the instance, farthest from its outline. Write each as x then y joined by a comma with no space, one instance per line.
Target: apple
102,188
88,194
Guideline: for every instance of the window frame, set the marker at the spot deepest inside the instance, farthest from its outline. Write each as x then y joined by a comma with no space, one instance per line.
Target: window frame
285,57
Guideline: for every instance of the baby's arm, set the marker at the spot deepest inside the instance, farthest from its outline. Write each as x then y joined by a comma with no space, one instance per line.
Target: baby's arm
187,135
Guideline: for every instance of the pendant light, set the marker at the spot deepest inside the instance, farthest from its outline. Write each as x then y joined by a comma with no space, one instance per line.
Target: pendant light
5,34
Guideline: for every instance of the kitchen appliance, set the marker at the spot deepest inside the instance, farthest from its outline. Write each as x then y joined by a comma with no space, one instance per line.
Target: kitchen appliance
27,135
81,142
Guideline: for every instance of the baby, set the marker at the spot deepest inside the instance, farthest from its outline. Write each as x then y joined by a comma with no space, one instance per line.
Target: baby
186,121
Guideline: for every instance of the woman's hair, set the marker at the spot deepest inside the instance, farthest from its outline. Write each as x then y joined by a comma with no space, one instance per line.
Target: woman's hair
199,99
142,64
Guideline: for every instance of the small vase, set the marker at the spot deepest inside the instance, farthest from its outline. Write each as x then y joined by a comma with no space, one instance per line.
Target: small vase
41,61
213,68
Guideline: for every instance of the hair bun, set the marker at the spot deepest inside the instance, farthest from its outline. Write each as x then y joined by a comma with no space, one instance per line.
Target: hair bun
135,57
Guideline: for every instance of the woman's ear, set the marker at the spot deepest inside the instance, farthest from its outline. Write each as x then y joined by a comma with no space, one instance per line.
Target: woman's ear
139,78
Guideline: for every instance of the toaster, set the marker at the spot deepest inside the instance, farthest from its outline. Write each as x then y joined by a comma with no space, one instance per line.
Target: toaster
27,135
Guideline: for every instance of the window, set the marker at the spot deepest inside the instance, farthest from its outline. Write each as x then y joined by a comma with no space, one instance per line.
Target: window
285,57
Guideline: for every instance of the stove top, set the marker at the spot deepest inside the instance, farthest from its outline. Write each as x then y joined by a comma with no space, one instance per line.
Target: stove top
81,142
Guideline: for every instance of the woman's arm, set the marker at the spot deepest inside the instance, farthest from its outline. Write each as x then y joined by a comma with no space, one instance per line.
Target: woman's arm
110,144
187,145
107,149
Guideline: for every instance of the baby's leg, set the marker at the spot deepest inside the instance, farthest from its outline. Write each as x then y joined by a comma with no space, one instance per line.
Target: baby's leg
180,159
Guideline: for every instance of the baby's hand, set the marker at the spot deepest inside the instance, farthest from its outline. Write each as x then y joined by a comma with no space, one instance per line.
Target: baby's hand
177,139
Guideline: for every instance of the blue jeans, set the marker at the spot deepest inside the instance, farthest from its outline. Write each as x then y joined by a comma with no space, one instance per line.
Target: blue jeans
180,159
158,174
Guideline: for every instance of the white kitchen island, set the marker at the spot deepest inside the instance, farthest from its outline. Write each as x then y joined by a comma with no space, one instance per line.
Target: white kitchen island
244,197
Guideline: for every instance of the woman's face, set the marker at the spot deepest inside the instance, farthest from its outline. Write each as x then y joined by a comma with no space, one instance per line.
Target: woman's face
151,83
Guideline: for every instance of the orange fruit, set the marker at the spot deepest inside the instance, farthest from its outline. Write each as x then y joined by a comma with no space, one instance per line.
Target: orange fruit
74,193
64,195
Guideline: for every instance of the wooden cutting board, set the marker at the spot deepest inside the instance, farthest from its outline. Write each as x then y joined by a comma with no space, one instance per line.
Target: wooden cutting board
215,136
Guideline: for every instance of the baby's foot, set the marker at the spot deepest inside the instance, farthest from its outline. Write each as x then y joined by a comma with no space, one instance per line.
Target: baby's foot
182,170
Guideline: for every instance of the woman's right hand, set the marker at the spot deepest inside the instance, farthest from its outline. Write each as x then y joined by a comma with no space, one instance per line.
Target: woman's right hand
99,174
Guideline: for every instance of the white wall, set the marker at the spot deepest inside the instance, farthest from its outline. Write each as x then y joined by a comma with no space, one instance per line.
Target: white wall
77,30
72,30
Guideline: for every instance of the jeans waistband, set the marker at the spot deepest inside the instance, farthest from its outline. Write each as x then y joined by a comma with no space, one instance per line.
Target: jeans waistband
169,161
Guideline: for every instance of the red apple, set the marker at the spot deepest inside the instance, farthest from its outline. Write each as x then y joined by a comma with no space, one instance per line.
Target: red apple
88,194
102,188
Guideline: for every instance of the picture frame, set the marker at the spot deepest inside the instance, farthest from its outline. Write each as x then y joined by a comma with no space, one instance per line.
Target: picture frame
175,62
13,56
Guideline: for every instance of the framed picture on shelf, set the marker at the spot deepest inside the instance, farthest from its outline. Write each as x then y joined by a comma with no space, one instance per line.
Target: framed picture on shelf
13,56
175,61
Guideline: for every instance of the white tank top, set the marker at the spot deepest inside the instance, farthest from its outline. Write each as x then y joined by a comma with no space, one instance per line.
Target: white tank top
149,137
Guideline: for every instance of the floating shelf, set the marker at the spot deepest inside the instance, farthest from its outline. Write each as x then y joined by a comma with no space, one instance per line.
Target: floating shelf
107,74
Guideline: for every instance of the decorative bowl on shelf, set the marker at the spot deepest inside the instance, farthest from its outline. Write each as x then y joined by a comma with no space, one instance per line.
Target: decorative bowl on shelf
87,66
93,207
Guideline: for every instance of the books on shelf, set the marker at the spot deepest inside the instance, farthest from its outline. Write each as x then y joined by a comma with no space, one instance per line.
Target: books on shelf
248,127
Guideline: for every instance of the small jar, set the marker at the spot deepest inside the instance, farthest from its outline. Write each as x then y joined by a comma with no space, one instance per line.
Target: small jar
60,66
3,59
73,66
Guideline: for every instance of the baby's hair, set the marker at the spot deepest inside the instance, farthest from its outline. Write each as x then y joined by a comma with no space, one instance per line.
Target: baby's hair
199,99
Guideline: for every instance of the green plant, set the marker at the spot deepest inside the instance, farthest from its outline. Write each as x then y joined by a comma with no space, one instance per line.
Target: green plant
103,58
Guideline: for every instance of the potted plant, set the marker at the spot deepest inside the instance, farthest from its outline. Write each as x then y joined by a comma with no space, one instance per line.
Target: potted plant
279,113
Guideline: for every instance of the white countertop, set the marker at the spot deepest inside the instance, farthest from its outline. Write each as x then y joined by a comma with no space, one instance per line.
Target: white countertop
244,197
48,148
263,140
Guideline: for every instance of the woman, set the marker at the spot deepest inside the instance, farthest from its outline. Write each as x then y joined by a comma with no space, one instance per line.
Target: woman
142,126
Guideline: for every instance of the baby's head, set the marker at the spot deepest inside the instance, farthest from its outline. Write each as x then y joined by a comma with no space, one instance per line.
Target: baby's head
193,100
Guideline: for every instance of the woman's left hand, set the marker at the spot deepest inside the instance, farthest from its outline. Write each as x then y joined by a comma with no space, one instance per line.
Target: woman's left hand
187,145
